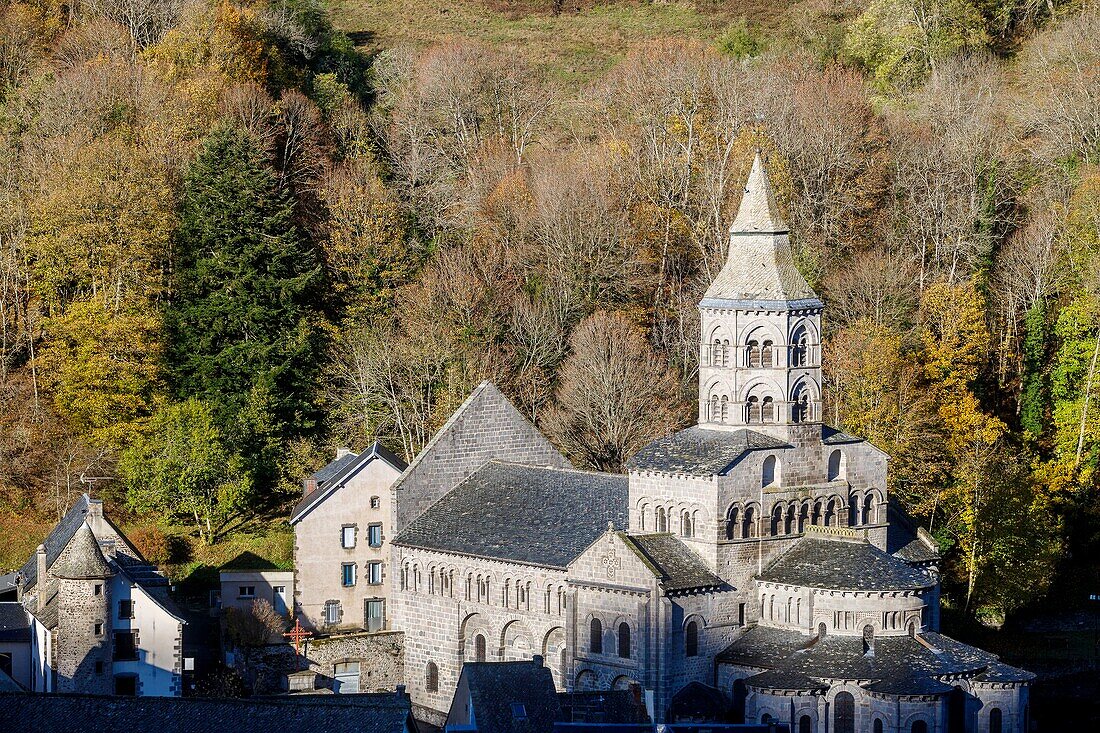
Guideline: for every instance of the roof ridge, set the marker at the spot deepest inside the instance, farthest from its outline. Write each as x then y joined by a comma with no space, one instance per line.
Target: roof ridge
543,466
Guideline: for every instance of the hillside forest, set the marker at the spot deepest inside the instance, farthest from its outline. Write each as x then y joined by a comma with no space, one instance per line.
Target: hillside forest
232,241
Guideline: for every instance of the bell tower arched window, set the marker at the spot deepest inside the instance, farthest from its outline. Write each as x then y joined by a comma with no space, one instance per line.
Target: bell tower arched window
753,409
800,407
767,356
687,528
662,519
767,410
724,411
752,354
768,473
836,465
733,524
800,347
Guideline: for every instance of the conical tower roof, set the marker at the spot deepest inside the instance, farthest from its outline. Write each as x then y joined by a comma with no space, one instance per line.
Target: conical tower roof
758,211
759,264
82,559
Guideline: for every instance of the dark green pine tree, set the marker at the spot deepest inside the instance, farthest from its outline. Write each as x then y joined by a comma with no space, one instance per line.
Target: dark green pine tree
245,325
1033,397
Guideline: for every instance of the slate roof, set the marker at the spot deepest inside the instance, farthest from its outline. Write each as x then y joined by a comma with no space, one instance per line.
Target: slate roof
677,566
56,540
759,264
699,451
7,684
832,436
62,713
334,475
896,665
619,707
84,558
496,686
529,514
843,564
15,623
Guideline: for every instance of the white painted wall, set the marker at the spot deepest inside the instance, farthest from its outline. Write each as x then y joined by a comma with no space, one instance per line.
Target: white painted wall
159,641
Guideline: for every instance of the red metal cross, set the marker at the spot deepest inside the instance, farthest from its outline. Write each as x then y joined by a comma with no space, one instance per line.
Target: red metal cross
298,634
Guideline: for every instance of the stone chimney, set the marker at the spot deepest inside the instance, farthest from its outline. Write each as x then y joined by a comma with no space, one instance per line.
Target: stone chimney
308,485
537,659
40,571
341,452
95,518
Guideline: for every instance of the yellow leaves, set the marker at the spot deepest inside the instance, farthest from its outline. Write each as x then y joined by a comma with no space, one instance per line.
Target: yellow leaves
223,39
955,335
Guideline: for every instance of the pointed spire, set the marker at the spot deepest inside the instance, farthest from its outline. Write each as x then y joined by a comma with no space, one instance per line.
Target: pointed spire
758,211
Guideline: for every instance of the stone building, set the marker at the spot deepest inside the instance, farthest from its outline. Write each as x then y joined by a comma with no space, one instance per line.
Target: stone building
752,559
342,529
98,616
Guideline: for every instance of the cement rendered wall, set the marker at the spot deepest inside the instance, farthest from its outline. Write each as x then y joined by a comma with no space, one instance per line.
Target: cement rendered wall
20,652
264,582
159,665
319,554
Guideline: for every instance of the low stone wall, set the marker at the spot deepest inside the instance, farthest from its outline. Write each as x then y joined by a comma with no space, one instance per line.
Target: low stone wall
381,658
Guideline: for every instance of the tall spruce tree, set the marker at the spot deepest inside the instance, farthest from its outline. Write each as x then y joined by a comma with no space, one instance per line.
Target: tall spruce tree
245,324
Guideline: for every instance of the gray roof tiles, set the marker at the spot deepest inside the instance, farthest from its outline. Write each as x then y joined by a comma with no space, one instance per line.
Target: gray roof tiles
700,451
677,566
842,564
61,713
56,540
15,623
332,477
528,514
495,687
82,558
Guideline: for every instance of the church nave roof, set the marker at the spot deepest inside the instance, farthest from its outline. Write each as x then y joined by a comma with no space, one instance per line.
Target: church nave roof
536,515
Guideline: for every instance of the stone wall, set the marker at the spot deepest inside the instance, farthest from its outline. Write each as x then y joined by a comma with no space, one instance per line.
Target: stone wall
381,658
83,661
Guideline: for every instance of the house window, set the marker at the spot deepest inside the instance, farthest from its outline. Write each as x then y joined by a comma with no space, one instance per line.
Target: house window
374,573
374,535
347,574
691,639
595,637
125,608
126,684
374,613
347,536
332,612
97,589
431,677
99,628
125,646
375,502
246,591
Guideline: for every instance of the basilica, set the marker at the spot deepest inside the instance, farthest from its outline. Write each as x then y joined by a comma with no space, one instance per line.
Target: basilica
750,567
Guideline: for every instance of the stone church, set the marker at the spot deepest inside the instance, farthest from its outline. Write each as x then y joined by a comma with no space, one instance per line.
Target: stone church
752,560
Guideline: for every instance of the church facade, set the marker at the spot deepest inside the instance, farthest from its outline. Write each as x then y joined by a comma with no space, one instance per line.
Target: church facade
751,563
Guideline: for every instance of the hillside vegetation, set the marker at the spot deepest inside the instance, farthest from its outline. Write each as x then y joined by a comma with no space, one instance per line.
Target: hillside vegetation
230,241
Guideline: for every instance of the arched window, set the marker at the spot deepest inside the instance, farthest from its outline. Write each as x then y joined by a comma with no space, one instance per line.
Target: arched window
800,406
767,477
714,414
822,629
805,725
877,726
767,410
752,408
777,520
836,465
815,518
868,638
830,514
868,509
789,525
595,637
753,354
749,523
919,726
800,344
662,520
844,713
686,528
691,639
995,720
431,678
624,640
803,517
765,719
766,357
479,648
733,524
724,409
644,513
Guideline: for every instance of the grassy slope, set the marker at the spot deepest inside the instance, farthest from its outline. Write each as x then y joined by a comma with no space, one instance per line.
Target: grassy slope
575,47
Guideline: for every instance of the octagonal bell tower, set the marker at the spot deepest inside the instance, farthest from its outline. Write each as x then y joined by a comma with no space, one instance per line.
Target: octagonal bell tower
760,351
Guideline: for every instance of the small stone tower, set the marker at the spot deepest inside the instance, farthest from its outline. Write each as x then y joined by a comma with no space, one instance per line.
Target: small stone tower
83,645
760,355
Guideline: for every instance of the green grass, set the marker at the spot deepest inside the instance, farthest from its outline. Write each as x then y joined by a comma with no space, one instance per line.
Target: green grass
574,47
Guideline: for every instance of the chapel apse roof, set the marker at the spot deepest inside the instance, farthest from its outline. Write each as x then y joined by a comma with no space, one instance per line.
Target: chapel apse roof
700,451
843,564
529,514
895,665
677,566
